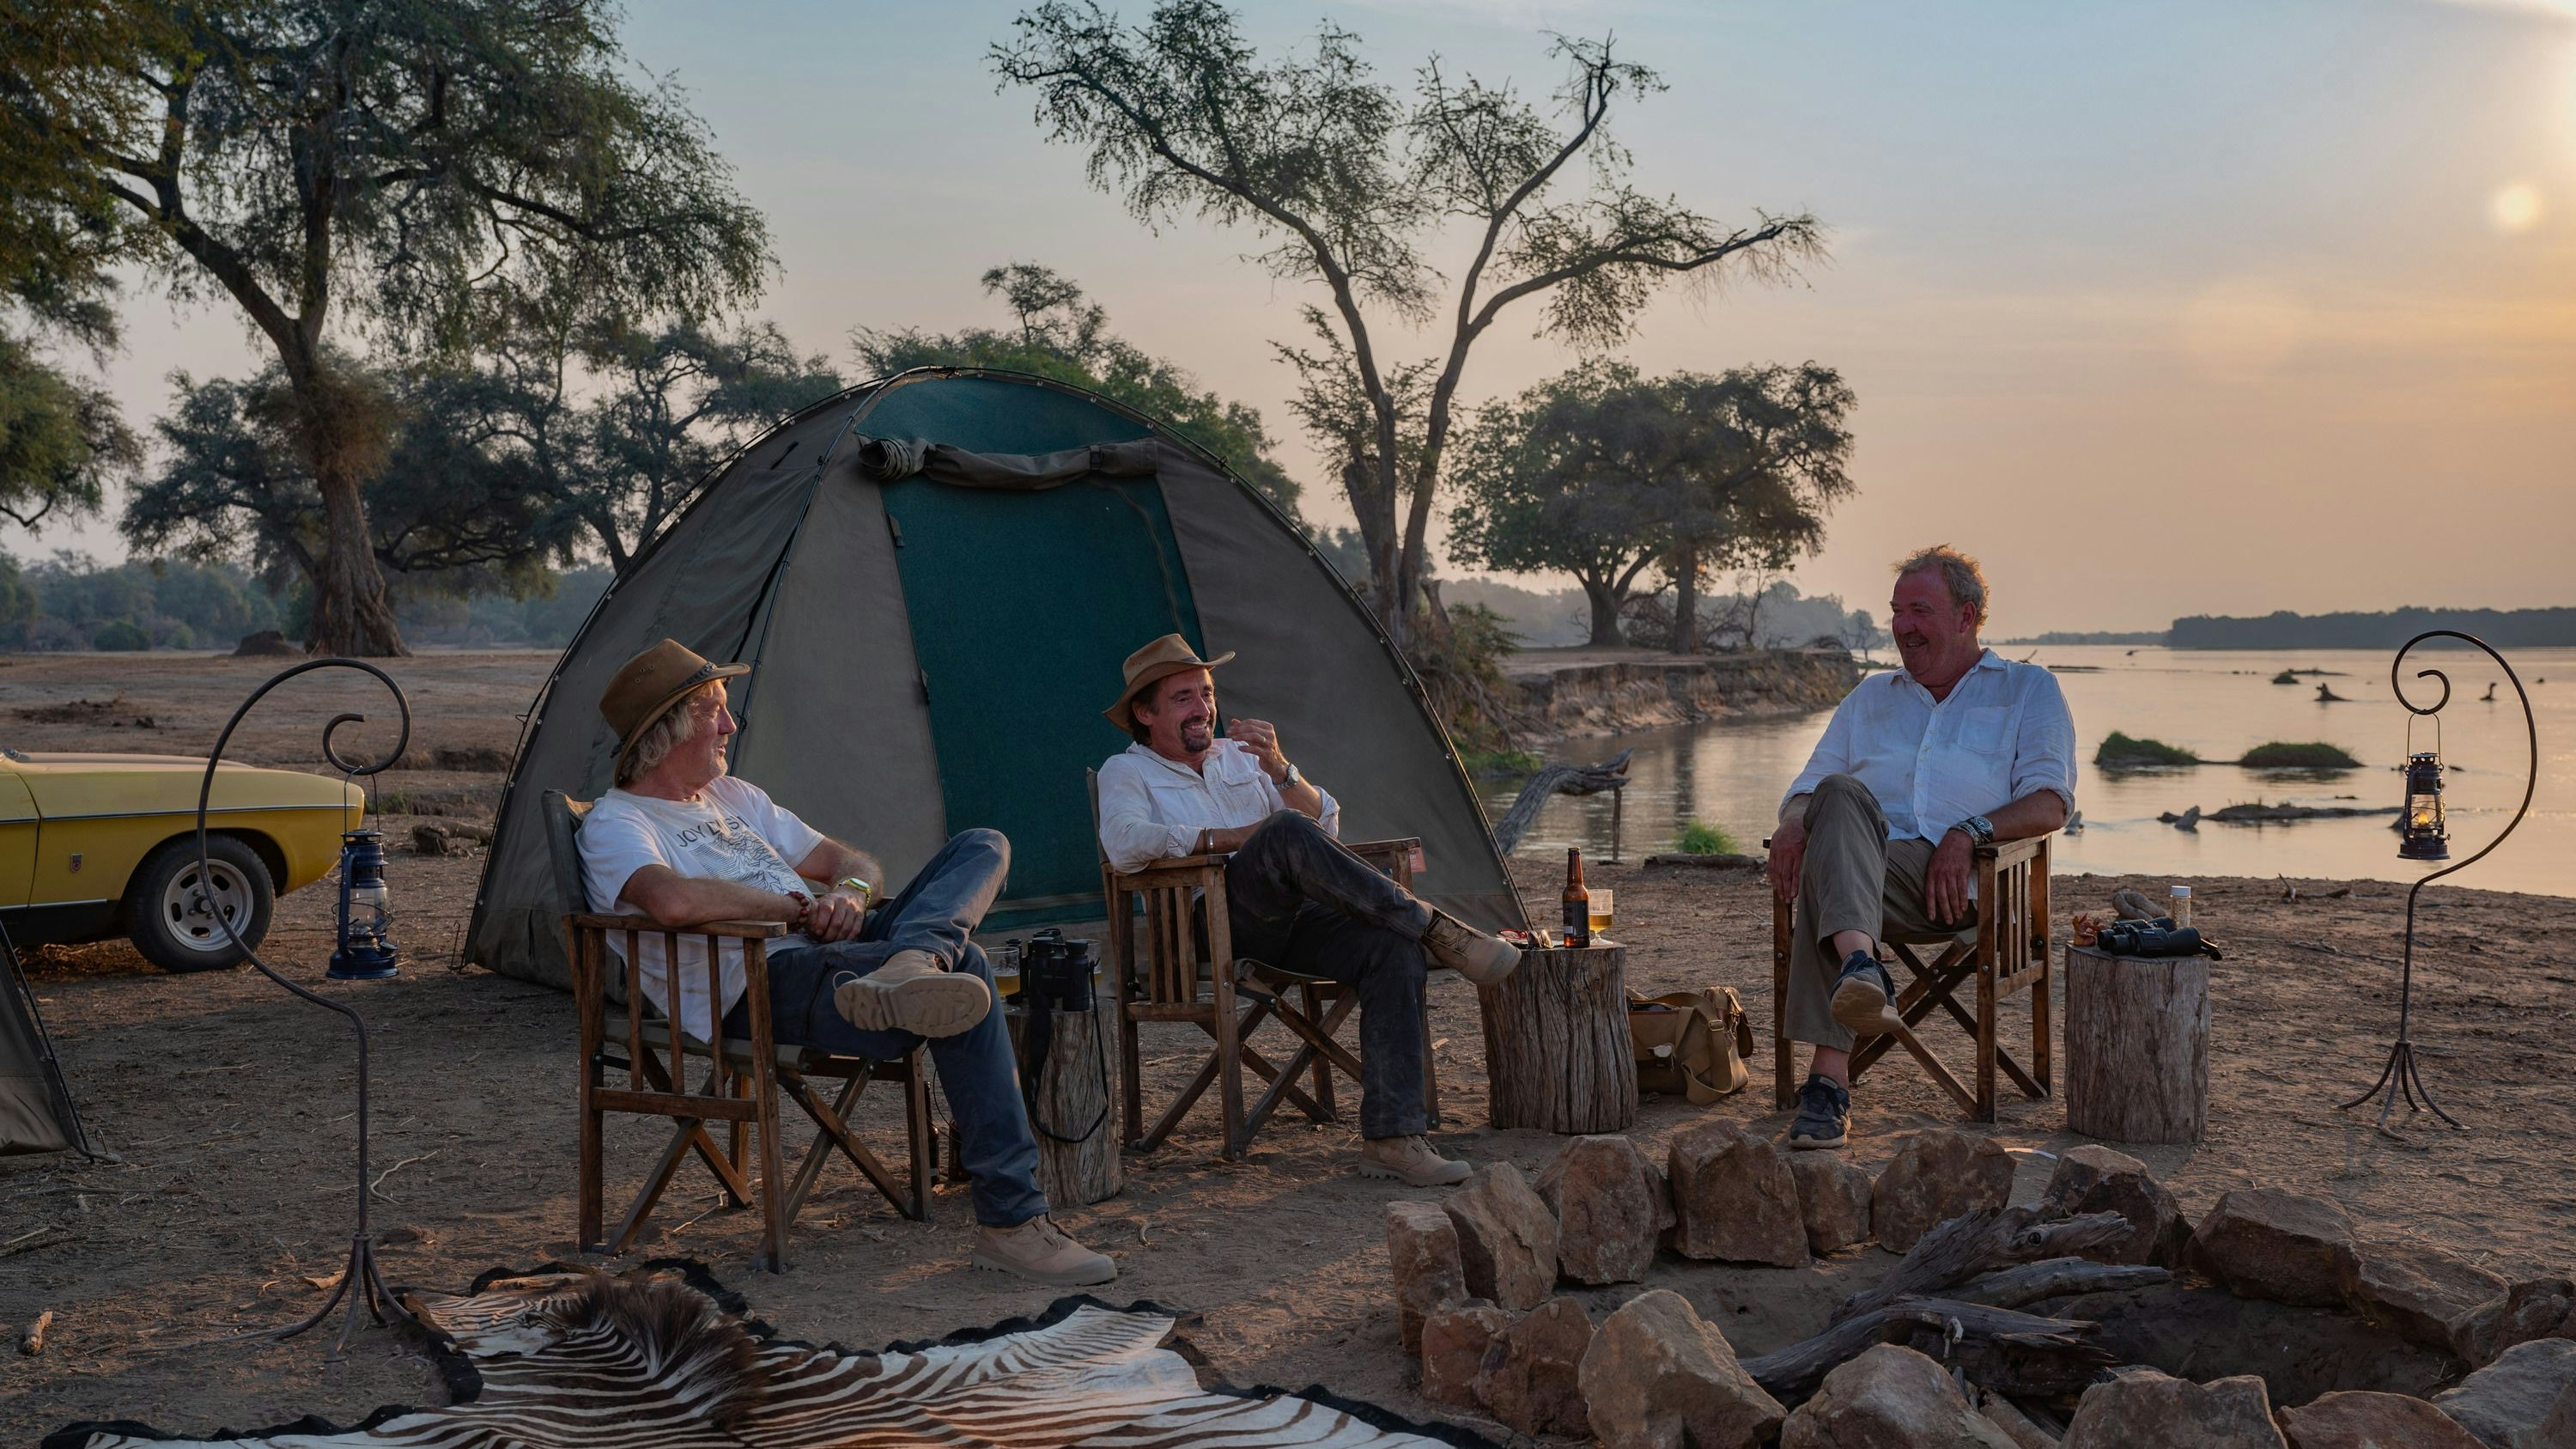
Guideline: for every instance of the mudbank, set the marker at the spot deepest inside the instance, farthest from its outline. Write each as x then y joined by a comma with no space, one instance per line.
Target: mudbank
1574,692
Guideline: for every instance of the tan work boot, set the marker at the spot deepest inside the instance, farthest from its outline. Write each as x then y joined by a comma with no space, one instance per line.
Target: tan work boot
913,992
1471,953
1039,1251
1409,1160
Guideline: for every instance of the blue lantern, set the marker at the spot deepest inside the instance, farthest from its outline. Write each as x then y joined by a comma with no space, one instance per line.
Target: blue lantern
366,950
2422,831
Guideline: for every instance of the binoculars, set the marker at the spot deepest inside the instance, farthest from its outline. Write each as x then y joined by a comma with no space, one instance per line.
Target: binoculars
2159,937
1057,972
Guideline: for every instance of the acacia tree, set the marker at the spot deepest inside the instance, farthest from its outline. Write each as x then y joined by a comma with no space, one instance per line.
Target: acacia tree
1748,464
1351,185
410,169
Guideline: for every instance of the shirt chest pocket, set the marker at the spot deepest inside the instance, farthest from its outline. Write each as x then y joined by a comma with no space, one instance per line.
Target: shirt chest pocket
1985,730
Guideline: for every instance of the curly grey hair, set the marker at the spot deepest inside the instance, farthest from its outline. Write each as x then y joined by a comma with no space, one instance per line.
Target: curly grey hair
1960,575
675,727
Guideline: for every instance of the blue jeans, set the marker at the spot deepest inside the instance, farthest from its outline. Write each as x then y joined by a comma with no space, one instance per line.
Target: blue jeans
936,913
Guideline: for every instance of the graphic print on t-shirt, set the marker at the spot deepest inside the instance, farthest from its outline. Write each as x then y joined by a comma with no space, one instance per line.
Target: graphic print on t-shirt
731,850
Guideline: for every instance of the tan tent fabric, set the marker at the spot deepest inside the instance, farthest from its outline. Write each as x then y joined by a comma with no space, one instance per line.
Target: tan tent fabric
35,1105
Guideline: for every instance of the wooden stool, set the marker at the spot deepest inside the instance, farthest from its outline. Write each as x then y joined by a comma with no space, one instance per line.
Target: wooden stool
1078,1157
2137,1046
1557,1055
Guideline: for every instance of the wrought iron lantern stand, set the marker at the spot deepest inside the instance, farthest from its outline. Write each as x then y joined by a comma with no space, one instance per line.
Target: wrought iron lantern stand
2425,837
359,1282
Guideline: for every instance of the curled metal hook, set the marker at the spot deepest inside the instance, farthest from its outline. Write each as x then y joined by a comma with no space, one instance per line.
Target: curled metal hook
2398,685
340,762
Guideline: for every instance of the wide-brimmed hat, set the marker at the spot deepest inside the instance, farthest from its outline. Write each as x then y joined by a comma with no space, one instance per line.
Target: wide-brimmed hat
647,684
1161,659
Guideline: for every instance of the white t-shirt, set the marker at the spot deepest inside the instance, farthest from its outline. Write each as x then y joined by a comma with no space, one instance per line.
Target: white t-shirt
732,831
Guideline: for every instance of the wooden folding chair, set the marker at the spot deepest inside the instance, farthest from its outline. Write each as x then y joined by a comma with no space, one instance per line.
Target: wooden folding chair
744,1076
1174,981
2004,953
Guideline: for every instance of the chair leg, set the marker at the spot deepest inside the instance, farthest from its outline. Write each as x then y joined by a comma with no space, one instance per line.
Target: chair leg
589,1170
1313,998
1784,1091
1985,1036
1430,1066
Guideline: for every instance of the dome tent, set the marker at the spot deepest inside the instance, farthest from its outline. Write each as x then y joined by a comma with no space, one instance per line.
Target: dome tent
935,579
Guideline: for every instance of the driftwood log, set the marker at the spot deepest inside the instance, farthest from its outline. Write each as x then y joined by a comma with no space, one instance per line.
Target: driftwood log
1557,1052
1557,780
2001,1351
1988,1238
2137,1046
2058,1278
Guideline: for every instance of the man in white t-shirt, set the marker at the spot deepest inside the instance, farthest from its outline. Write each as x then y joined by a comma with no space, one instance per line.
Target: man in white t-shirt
1917,768
680,841
1296,898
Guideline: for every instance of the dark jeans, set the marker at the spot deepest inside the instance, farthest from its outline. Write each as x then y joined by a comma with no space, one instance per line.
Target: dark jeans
1298,900
936,913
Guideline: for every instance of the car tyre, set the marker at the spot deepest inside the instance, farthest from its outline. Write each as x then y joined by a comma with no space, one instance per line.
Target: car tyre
165,912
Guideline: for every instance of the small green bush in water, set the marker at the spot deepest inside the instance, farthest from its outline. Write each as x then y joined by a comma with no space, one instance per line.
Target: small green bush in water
2314,755
1702,838
2121,752
1499,763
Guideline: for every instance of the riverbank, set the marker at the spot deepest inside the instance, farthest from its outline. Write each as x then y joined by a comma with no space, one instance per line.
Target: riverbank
1578,692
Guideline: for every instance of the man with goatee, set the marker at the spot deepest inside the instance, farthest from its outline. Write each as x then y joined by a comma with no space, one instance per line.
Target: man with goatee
1919,766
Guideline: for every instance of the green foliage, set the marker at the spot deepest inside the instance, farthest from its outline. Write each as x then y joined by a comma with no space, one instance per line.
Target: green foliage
2314,755
2120,752
1701,838
120,636
1603,473
1502,764
59,441
63,602
1064,336
1460,666
1348,185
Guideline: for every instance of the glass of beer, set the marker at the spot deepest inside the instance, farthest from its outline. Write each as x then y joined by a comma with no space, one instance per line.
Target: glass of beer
1600,910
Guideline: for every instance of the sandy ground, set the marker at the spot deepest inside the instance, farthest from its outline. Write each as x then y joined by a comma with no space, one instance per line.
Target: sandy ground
228,1106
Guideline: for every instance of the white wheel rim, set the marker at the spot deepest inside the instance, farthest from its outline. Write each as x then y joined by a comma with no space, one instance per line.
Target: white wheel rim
194,907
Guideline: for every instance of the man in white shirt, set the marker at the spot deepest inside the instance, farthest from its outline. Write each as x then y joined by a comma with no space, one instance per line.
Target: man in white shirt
1918,767
1296,899
680,841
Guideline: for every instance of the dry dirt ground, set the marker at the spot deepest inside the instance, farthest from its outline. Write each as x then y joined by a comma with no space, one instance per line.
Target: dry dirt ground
227,1106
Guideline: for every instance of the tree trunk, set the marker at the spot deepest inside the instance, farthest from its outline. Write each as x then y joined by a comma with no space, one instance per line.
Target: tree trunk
350,615
1686,600
1604,599
1557,1051
2137,1046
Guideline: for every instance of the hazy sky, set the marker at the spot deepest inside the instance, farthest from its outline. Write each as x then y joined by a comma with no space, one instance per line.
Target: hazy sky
2158,309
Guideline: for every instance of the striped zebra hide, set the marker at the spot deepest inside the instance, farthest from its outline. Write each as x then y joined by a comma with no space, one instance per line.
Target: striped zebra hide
574,1360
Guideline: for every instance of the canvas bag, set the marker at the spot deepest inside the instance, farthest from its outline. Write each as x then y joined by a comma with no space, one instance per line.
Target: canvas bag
1691,1044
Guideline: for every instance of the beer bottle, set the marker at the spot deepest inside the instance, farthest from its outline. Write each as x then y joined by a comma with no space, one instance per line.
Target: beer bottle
1578,902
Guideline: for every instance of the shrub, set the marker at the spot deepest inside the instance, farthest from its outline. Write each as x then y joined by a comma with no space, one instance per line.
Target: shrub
2119,752
1499,764
120,635
2313,755
1701,838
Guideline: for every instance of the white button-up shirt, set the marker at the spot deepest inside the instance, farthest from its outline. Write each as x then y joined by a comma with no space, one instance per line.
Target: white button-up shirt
2003,733
1153,809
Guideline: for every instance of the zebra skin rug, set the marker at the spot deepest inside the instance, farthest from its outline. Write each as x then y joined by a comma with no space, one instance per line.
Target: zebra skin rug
578,1360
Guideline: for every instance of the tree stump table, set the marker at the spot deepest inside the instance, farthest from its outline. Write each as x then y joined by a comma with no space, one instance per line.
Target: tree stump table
2137,1046
1077,1091
1556,1043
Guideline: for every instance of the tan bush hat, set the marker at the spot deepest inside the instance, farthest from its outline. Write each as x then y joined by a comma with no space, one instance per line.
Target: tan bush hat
647,684
1161,659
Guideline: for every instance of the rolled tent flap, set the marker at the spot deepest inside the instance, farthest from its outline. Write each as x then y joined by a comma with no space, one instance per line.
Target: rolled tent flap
891,460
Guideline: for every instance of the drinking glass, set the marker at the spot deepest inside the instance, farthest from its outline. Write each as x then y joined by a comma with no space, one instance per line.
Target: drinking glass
1600,911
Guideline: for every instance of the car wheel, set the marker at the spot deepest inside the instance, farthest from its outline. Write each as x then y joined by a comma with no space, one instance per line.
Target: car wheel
173,911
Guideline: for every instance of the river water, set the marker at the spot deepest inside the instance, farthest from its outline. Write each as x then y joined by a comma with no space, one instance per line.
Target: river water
2217,704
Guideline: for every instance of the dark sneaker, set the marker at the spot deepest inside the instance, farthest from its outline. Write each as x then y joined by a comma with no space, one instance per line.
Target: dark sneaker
1824,1113
1865,998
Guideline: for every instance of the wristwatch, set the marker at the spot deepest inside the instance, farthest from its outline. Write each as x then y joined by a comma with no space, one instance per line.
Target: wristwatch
1292,779
866,892
1981,831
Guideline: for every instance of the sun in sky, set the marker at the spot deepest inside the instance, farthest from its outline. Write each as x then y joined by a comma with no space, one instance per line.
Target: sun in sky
2516,207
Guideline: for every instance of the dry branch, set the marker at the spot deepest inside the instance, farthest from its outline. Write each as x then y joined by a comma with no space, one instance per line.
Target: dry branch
2000,1350
1971,1243
2058,1278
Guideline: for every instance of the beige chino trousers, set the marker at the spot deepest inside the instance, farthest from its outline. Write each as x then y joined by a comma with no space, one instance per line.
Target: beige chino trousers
1853,879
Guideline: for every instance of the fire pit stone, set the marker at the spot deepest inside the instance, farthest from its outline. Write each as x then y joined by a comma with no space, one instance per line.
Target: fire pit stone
1833,1199
1658,1374
2149,1410
2361,1419
1890,1395
2092,1179
2532,1308
1532,1372
2265,1243
1935,1176
1735,1198
1454,1340
2422,1292
1506,1237
1611,1206
1422,1254
2526,1399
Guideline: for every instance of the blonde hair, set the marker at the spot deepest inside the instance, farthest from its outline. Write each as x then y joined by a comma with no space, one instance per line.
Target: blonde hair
676,726
1959,574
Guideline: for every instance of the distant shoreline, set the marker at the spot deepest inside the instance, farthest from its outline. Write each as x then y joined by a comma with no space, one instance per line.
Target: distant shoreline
2503,628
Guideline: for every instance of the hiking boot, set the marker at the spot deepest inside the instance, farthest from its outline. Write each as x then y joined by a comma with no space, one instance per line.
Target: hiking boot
1471,953
1824,1113
1039,1251
1409,1160
912,992
1865,998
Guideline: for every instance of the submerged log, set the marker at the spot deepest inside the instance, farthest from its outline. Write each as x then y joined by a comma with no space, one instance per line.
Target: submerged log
1973,1243
1557,780
2001,1351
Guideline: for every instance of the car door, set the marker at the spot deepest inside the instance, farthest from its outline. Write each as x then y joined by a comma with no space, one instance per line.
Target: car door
17,837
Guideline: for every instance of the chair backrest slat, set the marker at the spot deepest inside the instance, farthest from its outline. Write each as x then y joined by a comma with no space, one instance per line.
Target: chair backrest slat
634,1020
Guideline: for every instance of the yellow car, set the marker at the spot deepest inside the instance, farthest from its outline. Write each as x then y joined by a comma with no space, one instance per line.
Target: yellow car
93,846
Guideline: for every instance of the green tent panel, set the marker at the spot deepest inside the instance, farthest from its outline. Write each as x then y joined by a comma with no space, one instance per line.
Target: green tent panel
935,579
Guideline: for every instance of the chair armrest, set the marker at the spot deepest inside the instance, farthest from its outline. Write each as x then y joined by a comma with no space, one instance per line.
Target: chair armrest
1390,849
1178,870
744,930
2012,852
